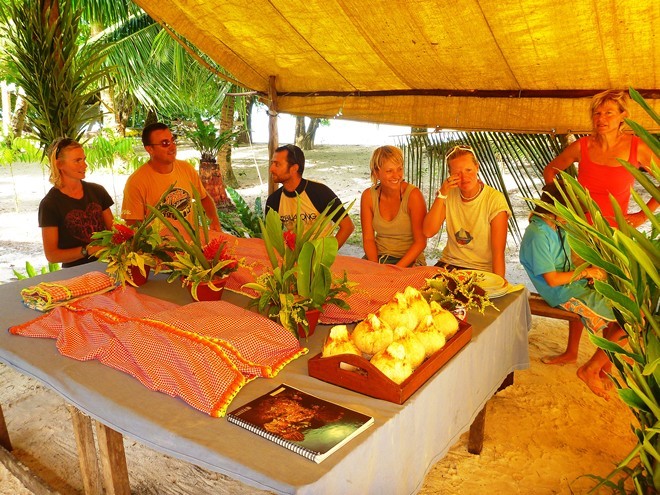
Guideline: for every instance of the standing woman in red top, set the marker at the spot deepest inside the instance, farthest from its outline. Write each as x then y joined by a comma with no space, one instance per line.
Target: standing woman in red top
599,170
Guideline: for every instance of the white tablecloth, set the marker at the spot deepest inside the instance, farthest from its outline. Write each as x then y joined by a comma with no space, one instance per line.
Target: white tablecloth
393,456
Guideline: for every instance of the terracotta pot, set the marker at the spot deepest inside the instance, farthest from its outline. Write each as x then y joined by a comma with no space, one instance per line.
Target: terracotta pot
312,319
205,293
137,277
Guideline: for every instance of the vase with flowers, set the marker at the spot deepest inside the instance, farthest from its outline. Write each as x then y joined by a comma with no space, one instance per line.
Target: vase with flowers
300,280
202,260
131,251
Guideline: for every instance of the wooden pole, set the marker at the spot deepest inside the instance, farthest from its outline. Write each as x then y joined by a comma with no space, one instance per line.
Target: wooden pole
89,466
273,137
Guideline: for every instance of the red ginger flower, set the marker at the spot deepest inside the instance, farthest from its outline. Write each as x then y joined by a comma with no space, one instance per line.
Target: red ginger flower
290,239
122,234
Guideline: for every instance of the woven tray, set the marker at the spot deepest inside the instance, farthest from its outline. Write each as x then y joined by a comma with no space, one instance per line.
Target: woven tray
357,374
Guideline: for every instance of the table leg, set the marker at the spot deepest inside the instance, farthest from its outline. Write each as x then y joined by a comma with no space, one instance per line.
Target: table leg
113,460
476,437
89,466
4,433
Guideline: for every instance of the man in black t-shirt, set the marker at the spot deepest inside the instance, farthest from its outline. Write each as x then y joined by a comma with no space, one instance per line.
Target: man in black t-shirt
286,167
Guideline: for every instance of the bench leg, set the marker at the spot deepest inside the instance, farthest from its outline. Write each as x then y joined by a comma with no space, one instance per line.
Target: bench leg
113,460
4,433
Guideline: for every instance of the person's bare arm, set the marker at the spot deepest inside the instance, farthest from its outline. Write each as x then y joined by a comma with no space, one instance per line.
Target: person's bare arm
417,212
211,212
346,228
564,160
498,233
366,221
50,238
554,279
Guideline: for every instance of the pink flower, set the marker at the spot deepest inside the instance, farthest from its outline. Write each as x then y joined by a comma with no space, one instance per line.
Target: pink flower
290,239
122,234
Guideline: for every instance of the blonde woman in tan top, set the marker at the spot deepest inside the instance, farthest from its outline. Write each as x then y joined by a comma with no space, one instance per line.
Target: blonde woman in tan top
391,213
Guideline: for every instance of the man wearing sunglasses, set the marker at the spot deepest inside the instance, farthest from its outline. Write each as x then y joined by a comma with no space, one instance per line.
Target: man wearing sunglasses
146,185
286,167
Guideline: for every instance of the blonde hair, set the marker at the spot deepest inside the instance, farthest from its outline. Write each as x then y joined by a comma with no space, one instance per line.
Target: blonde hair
380,156
459,151
56,149
618,96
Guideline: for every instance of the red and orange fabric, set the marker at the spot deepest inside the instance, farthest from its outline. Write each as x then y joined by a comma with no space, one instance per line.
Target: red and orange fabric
202,352
47,295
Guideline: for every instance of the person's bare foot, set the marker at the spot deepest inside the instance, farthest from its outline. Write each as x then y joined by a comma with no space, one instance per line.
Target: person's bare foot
564,358
593,381
605,378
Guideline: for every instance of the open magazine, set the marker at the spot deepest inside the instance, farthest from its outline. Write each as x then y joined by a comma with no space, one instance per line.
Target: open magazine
303,423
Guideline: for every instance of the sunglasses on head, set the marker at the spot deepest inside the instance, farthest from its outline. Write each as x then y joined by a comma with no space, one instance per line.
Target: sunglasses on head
295,152
459,148
61,144
165,143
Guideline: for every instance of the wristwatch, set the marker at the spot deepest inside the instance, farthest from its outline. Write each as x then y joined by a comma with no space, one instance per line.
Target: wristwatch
83,251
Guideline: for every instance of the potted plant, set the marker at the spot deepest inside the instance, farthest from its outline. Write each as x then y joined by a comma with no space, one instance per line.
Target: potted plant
130,251
208,141
301,281
201,262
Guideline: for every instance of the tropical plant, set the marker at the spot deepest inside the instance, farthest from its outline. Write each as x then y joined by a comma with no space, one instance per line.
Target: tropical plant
60,77
124,247
631,259
198,258
31,271
249,219
301,279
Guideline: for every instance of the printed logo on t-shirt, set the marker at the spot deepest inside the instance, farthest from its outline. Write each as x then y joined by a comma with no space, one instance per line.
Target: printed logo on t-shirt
289,221
463,237
180,199
81,224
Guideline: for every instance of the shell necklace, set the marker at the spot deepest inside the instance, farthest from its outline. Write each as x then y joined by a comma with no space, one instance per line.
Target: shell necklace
481,188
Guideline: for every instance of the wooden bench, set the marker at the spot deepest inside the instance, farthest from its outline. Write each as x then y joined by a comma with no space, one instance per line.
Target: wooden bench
539,307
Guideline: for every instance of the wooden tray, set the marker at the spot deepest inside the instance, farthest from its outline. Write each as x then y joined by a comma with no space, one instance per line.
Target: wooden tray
369,380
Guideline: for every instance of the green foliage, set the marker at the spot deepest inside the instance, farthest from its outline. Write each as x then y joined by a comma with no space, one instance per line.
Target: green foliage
60,77
631,259
31,271
301,277
249,219
205,137
106,147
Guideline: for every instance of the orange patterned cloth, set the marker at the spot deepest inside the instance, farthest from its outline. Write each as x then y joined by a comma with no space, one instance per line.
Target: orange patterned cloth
201,352
47,295
376,283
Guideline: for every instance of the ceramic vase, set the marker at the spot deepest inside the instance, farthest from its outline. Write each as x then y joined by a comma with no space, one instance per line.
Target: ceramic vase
205,293
137,277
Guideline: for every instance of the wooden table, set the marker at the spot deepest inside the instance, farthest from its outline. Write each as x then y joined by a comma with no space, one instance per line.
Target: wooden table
414,435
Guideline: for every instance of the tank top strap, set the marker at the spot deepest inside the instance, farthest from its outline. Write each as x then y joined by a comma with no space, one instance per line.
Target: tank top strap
584,150
406,196
634,144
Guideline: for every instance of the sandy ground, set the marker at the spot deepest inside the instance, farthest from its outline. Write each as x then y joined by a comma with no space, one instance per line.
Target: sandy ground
542,434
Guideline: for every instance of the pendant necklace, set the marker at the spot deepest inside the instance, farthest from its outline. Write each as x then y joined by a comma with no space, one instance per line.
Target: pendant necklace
481,188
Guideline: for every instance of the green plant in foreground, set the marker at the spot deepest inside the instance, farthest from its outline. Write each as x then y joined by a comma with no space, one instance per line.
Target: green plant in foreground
631,258
301,277
31,271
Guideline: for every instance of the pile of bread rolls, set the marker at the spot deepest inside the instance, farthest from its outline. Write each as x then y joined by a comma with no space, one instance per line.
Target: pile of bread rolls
398,337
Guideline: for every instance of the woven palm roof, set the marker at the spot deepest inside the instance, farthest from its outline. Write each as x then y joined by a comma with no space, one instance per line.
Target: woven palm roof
522,66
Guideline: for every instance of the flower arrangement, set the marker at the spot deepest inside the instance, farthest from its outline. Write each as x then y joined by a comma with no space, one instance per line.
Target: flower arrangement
202,259
456,289
300,279
124,247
